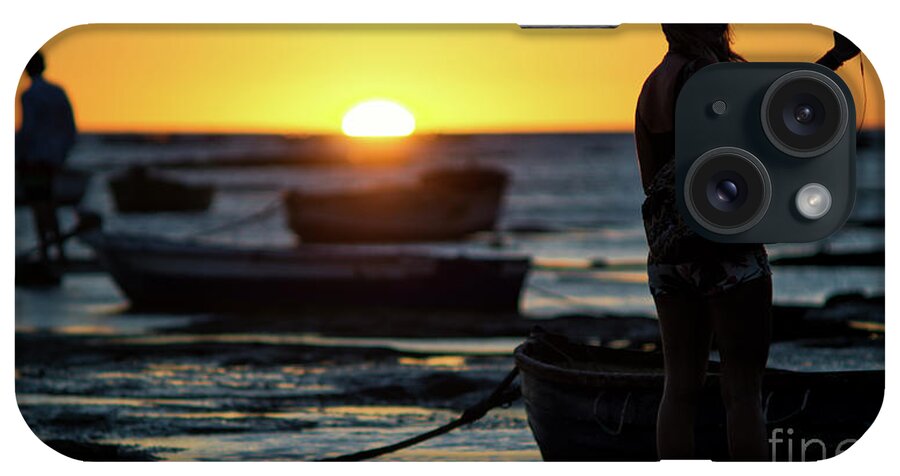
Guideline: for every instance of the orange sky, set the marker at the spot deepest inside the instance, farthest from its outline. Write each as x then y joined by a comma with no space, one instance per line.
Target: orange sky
302,79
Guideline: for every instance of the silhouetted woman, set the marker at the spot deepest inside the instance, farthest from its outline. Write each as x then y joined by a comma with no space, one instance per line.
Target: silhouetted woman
700,287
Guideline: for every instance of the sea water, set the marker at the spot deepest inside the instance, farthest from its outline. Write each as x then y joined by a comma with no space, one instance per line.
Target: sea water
89,371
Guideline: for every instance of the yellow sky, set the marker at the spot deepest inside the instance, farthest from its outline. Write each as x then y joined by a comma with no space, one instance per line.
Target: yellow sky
454,79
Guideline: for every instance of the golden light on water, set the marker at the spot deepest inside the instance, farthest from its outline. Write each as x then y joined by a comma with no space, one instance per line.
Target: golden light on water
453,361
378,118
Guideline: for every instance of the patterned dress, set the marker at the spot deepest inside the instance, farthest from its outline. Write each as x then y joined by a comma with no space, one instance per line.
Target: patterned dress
680,261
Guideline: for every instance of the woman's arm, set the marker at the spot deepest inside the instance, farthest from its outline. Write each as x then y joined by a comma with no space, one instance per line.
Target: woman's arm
842,51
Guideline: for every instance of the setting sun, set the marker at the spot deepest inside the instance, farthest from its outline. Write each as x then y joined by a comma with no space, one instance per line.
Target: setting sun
378,118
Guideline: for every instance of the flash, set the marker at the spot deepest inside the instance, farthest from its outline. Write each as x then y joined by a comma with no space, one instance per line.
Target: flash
813,201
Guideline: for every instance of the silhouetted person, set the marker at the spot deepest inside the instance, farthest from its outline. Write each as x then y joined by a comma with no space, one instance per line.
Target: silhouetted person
42,144
700,287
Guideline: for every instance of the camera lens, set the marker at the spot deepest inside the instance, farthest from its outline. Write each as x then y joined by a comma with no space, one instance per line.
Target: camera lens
727,190
804,113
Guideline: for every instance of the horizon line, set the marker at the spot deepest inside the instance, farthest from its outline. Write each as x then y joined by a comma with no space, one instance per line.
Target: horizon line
276,132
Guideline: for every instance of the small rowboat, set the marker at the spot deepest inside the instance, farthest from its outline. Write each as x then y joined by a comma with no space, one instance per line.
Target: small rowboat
176,275
446,204
589,403
140,191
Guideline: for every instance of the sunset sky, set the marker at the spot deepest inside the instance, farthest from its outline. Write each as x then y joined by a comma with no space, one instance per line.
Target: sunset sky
454,79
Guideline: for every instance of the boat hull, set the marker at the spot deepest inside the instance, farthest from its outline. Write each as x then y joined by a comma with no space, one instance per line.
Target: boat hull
603,407
145,194
446,205
176,276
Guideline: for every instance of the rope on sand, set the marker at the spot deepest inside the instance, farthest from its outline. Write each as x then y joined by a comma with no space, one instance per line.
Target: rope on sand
502,395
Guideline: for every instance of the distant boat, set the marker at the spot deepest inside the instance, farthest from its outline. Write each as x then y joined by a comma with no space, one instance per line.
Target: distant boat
69,187
591,403
140,191
446,204
165,274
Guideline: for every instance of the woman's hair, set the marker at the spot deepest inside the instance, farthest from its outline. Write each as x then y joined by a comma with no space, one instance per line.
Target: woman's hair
711,40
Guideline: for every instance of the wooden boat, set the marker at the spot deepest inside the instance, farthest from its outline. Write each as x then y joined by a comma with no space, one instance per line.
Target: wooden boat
173,275
592,403
446,204
139,191
69,187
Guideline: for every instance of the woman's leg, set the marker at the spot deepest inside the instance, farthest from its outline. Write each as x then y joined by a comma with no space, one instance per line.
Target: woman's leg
685,330
741,319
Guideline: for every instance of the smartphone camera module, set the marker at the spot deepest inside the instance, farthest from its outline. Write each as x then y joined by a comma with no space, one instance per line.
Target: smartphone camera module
779,166
727,190
804,113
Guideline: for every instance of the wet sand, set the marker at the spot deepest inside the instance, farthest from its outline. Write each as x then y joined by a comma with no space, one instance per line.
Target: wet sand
111,397
96,381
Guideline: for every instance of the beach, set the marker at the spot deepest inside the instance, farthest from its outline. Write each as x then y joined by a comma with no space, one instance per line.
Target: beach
98,380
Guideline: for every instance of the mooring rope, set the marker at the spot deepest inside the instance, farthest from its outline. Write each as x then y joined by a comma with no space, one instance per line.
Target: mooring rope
502,395
574,302
254,217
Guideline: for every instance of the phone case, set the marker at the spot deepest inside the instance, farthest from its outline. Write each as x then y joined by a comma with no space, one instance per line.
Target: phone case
421,242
